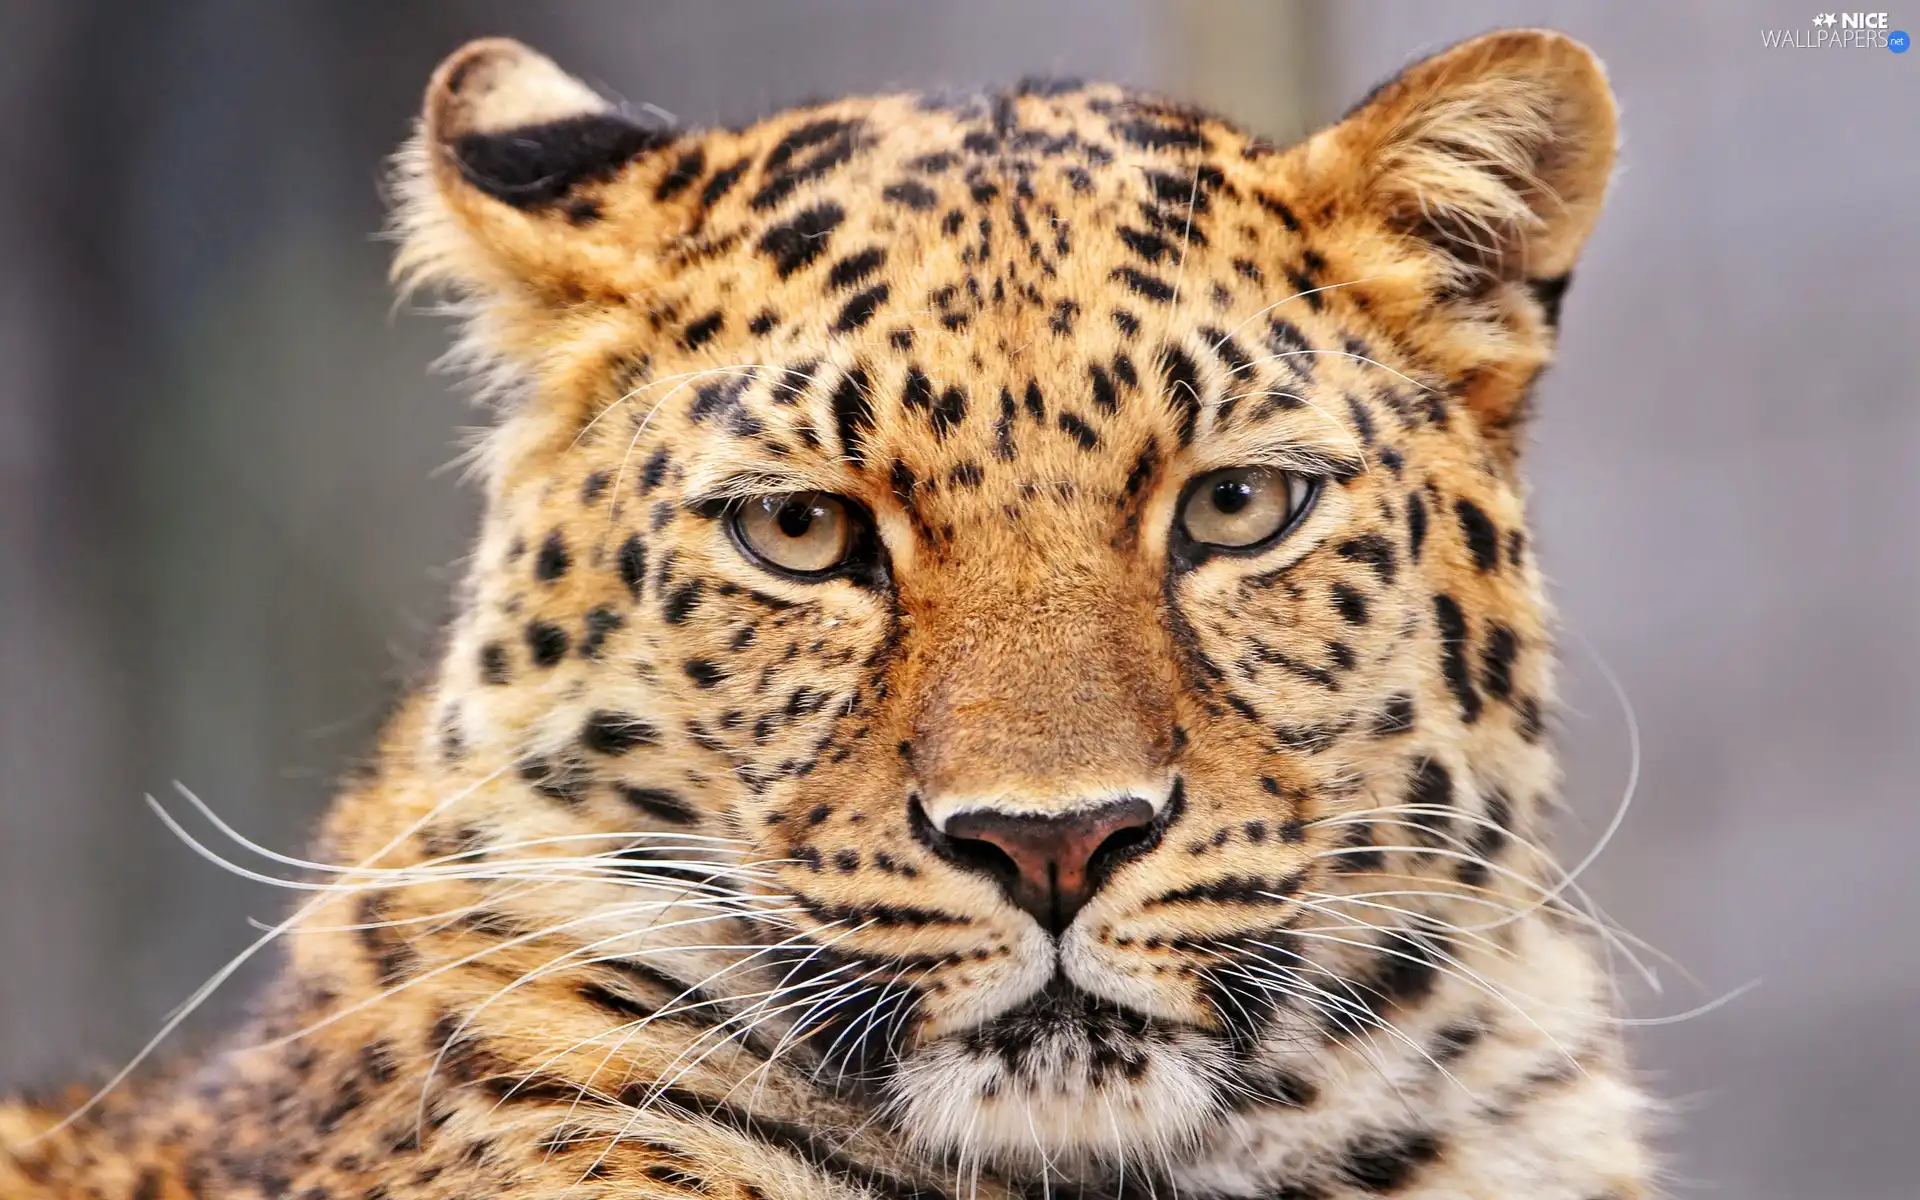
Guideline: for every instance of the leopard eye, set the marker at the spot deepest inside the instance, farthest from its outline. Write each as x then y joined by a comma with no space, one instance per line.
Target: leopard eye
1243,506
802,533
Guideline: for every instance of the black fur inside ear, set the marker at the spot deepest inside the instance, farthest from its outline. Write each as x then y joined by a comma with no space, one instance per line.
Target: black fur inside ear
534,166
1550,292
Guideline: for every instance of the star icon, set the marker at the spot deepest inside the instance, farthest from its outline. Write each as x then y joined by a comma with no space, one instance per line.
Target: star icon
1827,19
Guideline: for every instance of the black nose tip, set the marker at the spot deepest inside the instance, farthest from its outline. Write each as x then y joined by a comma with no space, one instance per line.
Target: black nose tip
1050,865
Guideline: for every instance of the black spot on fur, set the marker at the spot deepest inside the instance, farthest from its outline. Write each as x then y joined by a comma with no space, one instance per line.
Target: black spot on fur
1396,718
1150,286
1483,539
1003,448
948,411
704,672
1278,208
917,394
1150,246
614,734
1452,626
1431,787
1405,973
493,664
1533,724
654,470
1351,603
1154,135
832,143
719,398
915,195
1144,467
1387,1162
681,604
859,310
600,622
633,564
722,182
548,642
700,332
686,170
1104,397
855,267
553,560
1081,432
1036,404
1372,550
802,238
660,804
1496,661
563,779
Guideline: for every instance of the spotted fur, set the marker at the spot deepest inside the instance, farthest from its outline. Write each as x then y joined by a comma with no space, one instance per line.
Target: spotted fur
646,894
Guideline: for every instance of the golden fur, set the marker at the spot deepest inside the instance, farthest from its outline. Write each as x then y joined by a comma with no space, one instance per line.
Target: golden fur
645,892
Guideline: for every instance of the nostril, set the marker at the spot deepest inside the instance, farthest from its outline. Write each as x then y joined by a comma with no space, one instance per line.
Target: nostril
978,854
974,854
1048,864
1118,846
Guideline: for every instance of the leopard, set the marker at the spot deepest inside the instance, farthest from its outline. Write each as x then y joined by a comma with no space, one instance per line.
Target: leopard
1002,658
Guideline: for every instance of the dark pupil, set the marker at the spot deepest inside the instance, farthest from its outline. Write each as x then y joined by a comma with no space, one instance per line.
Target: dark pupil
1232,495
794,518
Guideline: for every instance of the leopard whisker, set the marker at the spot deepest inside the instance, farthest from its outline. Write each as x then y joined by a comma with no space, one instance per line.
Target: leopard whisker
1452,968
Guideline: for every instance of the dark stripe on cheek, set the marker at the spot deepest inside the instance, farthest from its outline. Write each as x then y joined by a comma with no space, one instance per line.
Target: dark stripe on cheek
1183,389
853,415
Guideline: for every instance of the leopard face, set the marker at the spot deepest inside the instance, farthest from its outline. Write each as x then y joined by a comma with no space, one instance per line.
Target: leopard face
1057,559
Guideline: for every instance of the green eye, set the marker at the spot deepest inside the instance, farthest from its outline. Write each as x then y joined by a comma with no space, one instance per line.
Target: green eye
803,533
1243,506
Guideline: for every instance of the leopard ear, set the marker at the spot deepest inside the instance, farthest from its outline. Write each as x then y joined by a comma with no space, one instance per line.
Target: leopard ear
499,189
1490,161
1495,152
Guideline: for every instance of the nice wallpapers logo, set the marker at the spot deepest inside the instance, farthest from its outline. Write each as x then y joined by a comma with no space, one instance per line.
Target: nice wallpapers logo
1840,31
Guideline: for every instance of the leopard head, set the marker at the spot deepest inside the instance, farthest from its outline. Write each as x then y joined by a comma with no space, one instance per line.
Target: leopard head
1047,568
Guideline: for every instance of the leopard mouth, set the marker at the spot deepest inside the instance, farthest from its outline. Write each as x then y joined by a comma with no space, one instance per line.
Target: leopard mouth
1063,1020
1067,1077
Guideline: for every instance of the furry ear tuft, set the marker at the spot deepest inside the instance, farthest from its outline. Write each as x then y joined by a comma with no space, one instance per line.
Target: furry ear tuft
1485,167
1496,153
497,184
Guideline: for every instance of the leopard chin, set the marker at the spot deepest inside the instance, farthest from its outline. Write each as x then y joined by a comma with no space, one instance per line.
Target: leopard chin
1067,1081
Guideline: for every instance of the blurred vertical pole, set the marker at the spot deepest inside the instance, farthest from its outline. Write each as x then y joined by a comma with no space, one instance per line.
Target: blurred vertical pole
1260,62
63,714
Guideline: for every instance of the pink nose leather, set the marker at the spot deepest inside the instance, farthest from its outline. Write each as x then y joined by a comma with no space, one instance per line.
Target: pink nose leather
1051,855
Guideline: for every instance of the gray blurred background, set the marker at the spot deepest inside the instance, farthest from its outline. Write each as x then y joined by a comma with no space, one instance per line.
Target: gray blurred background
226,532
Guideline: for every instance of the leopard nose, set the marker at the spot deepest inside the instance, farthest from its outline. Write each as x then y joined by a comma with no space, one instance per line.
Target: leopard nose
1049,864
